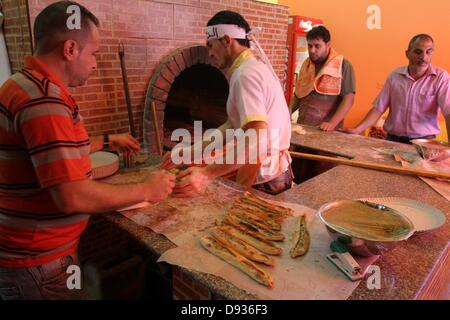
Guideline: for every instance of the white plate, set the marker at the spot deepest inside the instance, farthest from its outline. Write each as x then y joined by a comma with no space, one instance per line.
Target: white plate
103,164
423,216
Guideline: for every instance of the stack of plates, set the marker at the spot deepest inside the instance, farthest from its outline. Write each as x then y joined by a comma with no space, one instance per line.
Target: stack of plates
104,164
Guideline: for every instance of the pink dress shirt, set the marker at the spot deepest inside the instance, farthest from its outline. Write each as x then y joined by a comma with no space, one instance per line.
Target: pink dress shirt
414,104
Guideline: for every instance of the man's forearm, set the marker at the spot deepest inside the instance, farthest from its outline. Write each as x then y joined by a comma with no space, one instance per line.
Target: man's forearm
88,196
218,170
96,143
343,108
228,162
222,129
447,125
198,147
254,151
372,116
294,105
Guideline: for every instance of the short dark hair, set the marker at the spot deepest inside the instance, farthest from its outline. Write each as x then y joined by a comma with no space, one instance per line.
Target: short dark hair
231,17
422,36
50,26
319,32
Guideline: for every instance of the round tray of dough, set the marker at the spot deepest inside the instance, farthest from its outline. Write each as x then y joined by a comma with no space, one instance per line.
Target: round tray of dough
423,216
104,164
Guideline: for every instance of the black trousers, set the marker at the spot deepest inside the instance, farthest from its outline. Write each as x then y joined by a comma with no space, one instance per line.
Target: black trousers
407,140
276,186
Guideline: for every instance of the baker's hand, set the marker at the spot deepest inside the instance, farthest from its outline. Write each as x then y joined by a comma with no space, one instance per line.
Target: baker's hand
158,185
193,182
167,163
124,142
327,126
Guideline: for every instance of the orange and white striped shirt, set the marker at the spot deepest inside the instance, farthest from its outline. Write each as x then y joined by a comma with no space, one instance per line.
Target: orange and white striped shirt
43,143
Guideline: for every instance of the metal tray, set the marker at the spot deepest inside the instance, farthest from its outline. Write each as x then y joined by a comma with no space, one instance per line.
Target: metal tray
351,229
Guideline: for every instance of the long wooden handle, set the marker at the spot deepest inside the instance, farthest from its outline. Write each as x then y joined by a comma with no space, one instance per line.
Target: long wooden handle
126,89
369,165
158,135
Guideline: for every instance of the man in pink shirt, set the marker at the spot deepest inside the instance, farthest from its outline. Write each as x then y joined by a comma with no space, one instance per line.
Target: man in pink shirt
414,95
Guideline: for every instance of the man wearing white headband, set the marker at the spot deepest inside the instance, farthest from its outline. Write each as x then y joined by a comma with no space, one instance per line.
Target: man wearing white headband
255,102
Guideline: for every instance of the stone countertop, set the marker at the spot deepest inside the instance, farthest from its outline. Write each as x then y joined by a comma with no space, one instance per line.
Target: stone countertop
352,146
404,269
157,243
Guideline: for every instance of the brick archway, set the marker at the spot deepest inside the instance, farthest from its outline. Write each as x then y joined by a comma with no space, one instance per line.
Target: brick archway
160,83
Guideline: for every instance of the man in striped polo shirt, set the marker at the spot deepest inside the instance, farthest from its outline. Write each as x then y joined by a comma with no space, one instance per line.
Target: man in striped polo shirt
46,194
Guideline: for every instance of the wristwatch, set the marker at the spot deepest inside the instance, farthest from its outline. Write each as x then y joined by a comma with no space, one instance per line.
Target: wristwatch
106,141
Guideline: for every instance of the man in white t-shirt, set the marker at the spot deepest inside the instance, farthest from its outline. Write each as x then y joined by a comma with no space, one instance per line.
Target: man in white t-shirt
255,104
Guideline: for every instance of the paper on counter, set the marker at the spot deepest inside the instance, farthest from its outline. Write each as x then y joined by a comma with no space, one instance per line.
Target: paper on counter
181,219
414,161
309,277
440,186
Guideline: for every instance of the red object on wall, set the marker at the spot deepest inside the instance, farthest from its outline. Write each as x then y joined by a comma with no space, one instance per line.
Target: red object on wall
298,27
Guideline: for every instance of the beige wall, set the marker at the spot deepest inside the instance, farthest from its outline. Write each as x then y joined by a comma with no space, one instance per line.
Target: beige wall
374,53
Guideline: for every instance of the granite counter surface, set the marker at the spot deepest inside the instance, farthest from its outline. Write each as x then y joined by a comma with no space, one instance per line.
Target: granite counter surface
404,269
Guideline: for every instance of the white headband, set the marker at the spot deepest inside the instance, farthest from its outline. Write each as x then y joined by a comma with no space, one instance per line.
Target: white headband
233,31
219,30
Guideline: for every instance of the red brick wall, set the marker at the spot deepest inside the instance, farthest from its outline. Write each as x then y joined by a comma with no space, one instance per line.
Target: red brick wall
184,288
16,31
149,30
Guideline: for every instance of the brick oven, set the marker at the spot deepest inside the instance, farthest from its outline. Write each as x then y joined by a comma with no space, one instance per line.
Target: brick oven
186,87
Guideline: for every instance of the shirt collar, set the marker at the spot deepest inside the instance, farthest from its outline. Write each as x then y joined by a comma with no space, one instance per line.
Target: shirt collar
404,71
34,63
241,58
432,70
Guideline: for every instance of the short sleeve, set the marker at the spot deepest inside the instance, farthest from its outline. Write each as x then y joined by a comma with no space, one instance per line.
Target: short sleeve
249,99
383,100
57,146
443,97
348,82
